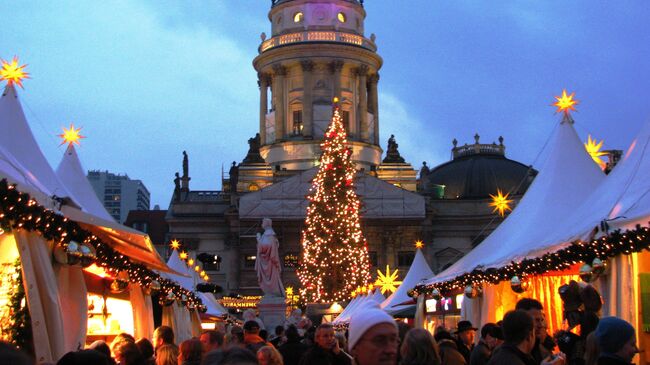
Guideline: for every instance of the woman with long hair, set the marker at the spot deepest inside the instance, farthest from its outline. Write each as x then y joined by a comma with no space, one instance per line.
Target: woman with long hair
419,348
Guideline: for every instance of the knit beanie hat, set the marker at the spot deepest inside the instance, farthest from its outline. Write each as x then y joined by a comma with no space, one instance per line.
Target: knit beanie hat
368,315
612,333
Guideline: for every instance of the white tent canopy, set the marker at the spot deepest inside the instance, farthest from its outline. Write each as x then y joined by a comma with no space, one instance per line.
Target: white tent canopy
72,175
287,199
564,182
418,272
622,199
189,281
17,139
358,303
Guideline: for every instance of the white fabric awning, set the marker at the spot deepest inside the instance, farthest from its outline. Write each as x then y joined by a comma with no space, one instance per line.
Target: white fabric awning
418,272
564,182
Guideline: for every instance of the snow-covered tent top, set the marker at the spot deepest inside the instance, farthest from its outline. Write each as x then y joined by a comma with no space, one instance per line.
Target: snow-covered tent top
567,178
23,163
418,272
347,309
188,280
287,199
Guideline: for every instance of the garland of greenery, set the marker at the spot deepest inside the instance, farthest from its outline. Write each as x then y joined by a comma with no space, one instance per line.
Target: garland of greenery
20,326
614,244
19,211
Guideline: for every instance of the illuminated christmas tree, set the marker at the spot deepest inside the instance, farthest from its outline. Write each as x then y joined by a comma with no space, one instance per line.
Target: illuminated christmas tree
334,251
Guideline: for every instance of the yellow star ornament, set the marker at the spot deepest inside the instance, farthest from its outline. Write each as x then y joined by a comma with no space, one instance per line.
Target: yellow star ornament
387,282
419,244
500,202
71,135
175,244
13,73
565,103
593,148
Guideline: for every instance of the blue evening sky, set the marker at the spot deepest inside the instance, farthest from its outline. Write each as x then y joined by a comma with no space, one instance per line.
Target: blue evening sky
149,79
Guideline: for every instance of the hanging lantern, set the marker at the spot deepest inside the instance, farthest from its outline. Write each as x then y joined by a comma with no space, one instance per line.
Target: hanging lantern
473,291
60,254
598,266
167,300
517,285
155,285
118,286
74,255
88,255
435,294
586,273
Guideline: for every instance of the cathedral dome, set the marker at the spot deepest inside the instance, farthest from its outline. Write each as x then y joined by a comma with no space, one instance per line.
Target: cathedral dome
475,172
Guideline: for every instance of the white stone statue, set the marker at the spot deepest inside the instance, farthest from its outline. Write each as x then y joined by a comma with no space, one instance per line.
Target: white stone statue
267,263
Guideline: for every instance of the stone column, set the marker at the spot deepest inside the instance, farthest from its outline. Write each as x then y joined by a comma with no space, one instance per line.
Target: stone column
362,108
336,66
374,104
263,82
307,99
280,108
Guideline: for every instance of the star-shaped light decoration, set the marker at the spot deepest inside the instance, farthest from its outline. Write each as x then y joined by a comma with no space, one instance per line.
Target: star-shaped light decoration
565,103
190,262
593,148
182,255
289,291
387,282
13,73
71,135
500,202
175,244
419,244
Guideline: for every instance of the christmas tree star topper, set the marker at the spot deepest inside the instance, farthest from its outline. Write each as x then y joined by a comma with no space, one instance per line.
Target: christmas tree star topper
13,73
565,102
71,135
500,202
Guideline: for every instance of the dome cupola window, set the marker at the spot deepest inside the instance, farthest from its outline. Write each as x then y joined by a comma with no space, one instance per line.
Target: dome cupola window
341,17
298,17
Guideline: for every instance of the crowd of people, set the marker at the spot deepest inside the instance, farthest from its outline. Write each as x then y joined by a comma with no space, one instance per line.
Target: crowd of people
372,338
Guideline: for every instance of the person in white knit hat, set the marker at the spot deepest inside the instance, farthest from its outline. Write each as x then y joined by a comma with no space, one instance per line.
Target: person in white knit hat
373,337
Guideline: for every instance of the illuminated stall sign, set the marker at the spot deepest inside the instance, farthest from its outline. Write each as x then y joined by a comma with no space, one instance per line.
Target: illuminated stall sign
445,305
243,302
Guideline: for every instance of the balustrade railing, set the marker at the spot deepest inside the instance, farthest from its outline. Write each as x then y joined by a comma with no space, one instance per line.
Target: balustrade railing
317,36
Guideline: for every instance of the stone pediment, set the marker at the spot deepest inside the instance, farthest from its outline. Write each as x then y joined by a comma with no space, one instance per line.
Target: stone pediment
287,199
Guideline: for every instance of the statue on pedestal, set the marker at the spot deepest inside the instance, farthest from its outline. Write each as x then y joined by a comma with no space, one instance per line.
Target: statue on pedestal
267,263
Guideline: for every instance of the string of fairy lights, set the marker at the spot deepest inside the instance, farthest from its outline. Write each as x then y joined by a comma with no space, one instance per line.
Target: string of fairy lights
18,211
335,259
615,243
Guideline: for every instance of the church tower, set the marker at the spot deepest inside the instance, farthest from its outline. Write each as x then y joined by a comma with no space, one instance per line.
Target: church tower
317,51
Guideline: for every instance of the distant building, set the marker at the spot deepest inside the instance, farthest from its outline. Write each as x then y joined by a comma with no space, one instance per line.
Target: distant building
118,193
151,222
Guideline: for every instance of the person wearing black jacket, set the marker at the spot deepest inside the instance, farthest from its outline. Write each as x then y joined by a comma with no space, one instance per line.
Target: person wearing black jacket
326,350
519,334
293,349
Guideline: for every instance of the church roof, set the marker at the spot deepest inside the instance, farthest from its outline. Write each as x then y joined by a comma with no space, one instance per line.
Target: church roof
287,199
477,171
567,178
